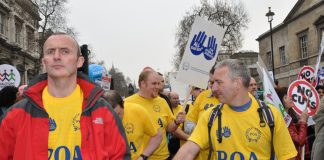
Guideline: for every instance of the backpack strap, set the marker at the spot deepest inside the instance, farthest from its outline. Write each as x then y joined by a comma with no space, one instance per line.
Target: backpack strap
265,111
215,113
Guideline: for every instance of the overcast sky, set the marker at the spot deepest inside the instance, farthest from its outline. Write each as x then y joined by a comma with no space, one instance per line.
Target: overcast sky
132,34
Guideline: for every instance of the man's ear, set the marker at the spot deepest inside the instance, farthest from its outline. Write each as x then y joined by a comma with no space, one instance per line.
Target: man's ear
80,61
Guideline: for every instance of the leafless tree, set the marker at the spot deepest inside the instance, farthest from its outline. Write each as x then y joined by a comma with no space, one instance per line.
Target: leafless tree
226,13
119,81
53,17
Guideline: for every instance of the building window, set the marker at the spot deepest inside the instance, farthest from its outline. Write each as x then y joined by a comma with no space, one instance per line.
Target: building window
303,46
269,60
18,33
2,23
282,55
30,40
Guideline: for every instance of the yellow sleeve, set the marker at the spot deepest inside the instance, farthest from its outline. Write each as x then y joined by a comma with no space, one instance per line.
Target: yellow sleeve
282,142
169,115
200,133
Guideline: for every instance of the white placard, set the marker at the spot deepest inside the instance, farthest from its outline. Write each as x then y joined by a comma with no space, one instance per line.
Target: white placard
201,53
178,87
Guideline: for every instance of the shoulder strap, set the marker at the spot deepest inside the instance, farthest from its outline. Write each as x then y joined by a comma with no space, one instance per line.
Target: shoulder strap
265,111
215,112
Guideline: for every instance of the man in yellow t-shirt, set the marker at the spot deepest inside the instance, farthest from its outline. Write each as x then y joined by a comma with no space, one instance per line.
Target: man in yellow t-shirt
209,101
62,114
177,136
64,122
143,136
157,108
241,134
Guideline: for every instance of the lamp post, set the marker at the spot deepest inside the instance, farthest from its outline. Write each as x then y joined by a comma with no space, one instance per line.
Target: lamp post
270,18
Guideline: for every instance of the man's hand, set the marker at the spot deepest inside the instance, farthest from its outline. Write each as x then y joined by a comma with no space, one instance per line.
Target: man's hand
180,118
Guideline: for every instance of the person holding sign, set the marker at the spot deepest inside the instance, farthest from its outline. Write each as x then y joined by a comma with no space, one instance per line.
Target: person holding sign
320,91
63,115
157,107
298,126
238,132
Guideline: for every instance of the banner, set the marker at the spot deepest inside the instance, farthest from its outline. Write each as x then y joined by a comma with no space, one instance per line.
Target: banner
271,97
201,53
319,55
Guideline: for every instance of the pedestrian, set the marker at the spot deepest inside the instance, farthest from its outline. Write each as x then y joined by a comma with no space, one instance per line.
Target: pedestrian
175,137
160,113
236,130
318,145
320,90
7,98
206,99
63,115
298,126
253,88
143,136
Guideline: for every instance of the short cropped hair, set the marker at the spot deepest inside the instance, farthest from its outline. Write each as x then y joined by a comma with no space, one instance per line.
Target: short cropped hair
144,75
114,98
236,69
63,33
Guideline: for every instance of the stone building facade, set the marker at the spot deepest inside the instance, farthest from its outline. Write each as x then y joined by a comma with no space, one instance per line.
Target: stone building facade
19,36
296,41
249,58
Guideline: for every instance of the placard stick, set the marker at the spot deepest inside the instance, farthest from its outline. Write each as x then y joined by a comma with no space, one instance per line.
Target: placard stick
187,98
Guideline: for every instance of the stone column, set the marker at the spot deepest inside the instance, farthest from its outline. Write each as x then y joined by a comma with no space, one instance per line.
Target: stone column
11,26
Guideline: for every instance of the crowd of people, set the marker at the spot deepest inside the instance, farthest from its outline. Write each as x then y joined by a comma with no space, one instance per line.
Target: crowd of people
61,114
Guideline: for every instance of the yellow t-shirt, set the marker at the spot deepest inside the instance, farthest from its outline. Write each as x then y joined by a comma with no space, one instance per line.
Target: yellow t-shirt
161,115
64,139
137,124
243,138
177,109
204,103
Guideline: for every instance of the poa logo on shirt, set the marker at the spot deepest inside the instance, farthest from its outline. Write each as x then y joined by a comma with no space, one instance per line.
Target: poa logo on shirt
76,122
129,128
226,132
52,124
253,134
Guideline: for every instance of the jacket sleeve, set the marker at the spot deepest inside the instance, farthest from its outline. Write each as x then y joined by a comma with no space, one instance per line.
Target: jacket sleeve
298,133
115,137
7,136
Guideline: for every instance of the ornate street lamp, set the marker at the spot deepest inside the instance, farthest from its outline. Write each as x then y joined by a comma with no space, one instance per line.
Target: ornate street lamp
270,18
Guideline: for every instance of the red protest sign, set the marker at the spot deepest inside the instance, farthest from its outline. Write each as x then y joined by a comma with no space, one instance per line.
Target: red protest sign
307,73
300,92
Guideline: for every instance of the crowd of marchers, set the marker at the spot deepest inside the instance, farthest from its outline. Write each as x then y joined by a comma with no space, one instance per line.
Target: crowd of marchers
61,114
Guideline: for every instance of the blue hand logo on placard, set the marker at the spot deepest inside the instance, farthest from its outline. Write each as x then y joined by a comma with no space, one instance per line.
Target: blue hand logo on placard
210,50
197,43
